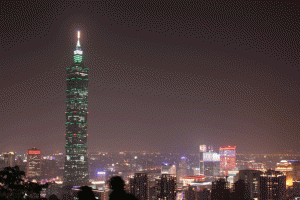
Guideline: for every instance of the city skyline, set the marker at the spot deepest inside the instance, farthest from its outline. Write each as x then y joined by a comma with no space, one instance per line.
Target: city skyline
158,82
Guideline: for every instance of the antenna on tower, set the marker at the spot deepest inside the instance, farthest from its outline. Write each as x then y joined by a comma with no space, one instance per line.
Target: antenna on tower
78,36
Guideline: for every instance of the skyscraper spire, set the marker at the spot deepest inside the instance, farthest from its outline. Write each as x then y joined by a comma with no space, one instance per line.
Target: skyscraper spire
78,36
78,52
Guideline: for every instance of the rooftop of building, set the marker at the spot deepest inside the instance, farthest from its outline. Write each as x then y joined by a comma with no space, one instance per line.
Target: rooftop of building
272,173
194,177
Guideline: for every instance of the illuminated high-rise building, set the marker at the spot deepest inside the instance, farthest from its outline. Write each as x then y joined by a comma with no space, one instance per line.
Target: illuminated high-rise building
33,163
9,159
284,166
166,187
227,158
202,150
272,185
209,162
139,186
211,165
181,171
76,165
295,169
251,178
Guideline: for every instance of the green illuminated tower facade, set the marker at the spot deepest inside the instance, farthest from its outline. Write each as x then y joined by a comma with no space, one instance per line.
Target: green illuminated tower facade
76,163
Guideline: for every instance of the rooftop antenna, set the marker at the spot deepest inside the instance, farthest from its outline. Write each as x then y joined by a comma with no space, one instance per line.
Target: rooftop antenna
78,36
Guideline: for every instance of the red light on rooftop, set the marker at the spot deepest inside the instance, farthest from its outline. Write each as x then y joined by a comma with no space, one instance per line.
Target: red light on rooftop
34,152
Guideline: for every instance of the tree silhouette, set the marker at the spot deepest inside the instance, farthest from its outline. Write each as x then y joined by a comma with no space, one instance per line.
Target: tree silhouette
33,190
14,187
12,183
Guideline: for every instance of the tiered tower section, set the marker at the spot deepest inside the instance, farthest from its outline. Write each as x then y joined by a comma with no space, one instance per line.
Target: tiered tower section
76,164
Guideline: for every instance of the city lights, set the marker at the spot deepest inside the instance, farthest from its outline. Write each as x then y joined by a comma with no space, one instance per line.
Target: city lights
160,100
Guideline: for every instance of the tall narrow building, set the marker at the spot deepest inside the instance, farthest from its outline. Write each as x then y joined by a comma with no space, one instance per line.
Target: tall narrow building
33,164
76,164
9,159
201,161
166,186
139,186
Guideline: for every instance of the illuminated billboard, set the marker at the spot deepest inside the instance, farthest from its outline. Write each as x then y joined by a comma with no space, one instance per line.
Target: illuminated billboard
34,152
211,157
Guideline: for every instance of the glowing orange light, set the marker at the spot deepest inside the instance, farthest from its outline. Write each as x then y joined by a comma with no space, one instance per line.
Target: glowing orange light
78,34
289,181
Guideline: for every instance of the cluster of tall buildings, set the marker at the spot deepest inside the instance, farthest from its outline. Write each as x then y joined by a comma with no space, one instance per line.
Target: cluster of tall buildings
33,162
215,178
76,162
176,179
252,184
213,164
164,187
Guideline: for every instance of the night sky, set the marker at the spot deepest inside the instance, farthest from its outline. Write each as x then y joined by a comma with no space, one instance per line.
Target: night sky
163,76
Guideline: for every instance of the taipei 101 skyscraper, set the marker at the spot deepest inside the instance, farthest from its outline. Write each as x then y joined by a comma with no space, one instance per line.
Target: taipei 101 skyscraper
76,163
